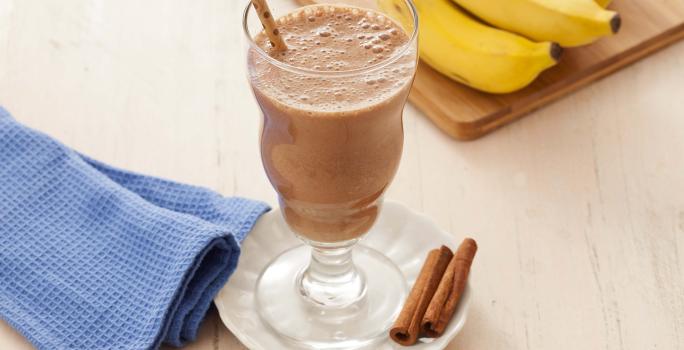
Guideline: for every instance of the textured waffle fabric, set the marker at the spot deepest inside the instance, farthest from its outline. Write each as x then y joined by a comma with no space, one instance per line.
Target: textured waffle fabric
92,257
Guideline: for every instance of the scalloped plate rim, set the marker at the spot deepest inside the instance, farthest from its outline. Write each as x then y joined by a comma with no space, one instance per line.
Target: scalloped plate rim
455,326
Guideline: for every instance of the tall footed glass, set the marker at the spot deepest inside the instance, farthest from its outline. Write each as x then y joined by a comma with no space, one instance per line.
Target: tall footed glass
331,142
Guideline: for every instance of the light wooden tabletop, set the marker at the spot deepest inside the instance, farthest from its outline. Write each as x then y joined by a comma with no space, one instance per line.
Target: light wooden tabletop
578,208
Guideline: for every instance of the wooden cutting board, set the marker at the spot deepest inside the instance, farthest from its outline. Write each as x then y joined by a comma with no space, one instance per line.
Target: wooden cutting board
466,114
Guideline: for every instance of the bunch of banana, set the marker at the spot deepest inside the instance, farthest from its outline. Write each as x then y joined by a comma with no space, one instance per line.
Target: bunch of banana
503,59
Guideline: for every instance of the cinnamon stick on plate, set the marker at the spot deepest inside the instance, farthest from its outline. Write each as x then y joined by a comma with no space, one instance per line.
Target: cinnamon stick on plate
406,328
450,290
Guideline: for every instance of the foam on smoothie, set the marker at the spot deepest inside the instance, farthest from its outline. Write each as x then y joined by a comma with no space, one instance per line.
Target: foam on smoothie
334,39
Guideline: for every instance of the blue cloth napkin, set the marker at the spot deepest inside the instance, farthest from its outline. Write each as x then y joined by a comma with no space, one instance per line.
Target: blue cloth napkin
93,257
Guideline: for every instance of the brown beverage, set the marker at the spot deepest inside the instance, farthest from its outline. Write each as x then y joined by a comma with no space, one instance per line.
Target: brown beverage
331,142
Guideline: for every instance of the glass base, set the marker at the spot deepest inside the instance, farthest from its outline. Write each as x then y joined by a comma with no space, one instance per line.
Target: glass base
305,323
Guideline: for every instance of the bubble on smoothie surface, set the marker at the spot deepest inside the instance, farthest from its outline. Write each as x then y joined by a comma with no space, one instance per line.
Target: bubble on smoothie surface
326,38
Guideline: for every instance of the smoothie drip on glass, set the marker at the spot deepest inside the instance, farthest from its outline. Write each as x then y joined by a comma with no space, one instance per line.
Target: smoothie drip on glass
331,142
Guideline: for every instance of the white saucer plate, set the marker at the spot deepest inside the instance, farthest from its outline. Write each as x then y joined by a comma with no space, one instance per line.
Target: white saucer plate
404,236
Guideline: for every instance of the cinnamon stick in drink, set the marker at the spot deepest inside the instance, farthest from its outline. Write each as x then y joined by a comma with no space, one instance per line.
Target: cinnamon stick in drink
451,287
406,328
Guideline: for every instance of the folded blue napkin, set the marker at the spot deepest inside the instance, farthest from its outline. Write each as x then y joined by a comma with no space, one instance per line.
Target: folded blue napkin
93,257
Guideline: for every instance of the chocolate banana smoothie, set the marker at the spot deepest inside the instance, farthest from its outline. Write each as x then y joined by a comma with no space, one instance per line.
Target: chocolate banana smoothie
332,129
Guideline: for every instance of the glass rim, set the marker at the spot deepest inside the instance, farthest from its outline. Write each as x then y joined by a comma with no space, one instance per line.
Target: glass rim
294,69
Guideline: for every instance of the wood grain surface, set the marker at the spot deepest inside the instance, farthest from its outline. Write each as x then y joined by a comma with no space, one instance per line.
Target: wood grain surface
578,209
467,114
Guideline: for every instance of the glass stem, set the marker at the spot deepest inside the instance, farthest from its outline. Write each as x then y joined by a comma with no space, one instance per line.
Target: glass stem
332,279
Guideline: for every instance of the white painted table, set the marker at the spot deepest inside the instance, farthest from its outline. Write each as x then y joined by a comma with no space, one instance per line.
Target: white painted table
578,209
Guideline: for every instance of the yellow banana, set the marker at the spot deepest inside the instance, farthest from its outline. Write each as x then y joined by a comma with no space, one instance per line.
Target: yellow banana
603,3
567,22
472,53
